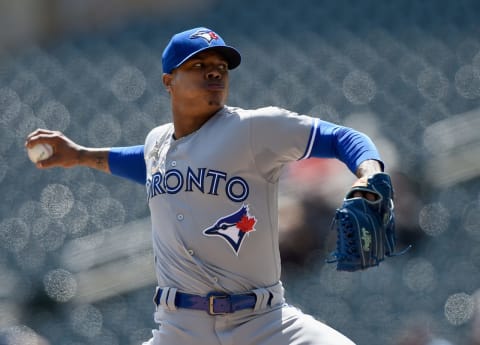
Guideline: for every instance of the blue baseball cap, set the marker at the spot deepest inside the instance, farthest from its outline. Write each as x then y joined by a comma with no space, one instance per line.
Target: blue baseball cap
185,44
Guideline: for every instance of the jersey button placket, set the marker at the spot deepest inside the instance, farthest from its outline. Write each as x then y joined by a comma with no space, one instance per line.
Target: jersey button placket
180,217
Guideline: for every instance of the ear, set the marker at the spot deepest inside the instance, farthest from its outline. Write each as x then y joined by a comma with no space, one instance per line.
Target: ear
167,80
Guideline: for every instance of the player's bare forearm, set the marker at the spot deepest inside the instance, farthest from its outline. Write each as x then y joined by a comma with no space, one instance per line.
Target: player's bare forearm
67,153
368,168
95,158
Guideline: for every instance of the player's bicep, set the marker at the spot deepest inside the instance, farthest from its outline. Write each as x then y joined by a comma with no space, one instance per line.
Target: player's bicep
128,162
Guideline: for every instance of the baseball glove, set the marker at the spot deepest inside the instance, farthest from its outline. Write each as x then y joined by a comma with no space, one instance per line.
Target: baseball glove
365,229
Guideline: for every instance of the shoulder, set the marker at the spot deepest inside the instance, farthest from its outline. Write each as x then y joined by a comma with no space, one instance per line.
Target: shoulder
160,131
157,134
263,112
275,116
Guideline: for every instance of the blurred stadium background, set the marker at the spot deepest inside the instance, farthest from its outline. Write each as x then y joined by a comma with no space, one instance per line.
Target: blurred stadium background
75,257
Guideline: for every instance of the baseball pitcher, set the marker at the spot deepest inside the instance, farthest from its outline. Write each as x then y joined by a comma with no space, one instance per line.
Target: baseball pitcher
211,178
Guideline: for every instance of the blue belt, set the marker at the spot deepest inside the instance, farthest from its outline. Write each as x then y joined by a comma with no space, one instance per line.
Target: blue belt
215,303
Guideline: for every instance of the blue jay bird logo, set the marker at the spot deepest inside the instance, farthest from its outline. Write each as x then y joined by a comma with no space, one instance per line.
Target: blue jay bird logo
207,35
233,228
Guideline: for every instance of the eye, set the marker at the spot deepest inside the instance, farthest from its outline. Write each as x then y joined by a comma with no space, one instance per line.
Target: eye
225,226
223,67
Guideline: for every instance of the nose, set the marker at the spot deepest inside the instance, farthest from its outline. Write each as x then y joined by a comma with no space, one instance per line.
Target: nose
214,74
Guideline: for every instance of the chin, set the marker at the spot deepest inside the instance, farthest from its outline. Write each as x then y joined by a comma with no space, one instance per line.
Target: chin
216,104
216,98
216,101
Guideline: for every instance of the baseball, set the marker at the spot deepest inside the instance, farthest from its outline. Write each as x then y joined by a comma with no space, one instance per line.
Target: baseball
39,152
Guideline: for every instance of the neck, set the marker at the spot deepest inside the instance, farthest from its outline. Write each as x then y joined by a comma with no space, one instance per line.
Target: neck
186,123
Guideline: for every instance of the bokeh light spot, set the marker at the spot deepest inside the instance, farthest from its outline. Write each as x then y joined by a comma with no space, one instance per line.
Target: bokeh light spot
471,219
14,234
55,115
57,200
107,213
49,233
128,84
419,275
60,285
86,320
359,87
432,84
459,308
434,219
10,105
104,130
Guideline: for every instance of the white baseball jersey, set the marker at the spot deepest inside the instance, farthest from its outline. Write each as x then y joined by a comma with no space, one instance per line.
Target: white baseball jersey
213,198
213,203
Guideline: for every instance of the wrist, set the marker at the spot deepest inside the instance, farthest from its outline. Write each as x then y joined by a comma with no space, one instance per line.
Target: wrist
82,156
96,158
368,168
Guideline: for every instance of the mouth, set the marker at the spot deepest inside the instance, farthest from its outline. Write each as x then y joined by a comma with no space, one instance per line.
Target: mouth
215,86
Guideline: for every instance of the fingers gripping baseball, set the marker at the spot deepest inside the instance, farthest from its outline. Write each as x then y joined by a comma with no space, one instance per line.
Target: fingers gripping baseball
65,153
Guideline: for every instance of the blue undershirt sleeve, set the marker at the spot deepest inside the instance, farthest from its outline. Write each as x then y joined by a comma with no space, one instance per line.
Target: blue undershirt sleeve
128,162
329,140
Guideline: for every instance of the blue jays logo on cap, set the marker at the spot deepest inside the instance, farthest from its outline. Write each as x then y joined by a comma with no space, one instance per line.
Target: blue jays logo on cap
207,35
186,44
233,228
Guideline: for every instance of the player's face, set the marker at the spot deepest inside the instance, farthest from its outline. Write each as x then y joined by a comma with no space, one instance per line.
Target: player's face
201,82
